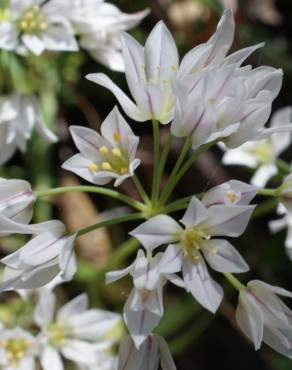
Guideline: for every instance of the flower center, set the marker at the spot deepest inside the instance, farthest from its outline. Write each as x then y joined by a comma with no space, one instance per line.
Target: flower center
57,333
33,21
15,349
114,158
192,240
231,196
263,151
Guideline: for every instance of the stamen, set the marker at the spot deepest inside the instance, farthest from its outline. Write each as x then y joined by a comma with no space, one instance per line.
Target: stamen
117,152
93,167
143,66
117,136
173,67
124,170
103,150
231,195
106,166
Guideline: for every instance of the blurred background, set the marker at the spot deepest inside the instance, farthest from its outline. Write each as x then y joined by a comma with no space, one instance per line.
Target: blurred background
198,339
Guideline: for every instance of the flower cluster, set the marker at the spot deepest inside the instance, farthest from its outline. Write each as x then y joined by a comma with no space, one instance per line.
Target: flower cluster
207,98
75,333
35,26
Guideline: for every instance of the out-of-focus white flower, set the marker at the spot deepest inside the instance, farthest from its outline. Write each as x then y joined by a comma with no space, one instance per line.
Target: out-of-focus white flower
16,200
285,222
144,307
263,317
99,26
18,349
106,157
153,352
186,246
76,332
48,254
285,193
37,26
19,115
262,154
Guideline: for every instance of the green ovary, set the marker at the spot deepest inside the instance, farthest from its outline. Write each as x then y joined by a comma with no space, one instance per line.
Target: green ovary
192,240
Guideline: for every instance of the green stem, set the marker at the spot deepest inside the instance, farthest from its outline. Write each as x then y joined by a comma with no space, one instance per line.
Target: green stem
92,189
176,177
269,192
265,208
233,281
110,222
161,166
183,153
141,190
155,180
284,166
177,205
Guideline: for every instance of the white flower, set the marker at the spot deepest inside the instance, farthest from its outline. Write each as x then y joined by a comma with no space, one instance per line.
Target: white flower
106,157
186,246
263,317
144,307
149,72
16,200
75,332
262,154
285,193
283,223
154,351
48,254
38,27
19,115
18,349
230,192
99,26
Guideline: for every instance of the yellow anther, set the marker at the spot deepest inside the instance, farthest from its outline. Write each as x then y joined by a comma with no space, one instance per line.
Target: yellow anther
43,26
124,170
23,25
196,258
173,67
106,166
231,195
143,66
117,152
117,136
151,81
103,150
93,167
36,7
158,66
214,250
32,24
142,79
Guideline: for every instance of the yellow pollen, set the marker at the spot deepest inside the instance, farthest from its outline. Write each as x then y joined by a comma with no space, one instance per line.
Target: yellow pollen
117,136
231,196
117,152
143,66
23,25
173,67
32,25
35,7
142,78
124,170
151,81
106,166
214,250
103,150
196,258
93,167
43,26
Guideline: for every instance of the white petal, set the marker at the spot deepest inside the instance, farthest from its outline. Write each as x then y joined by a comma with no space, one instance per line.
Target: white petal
156,231
166,360
227,220
44,311
249,319
113,276
51,358
171,260
195,213
199,282
223,257
129,107
76,306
